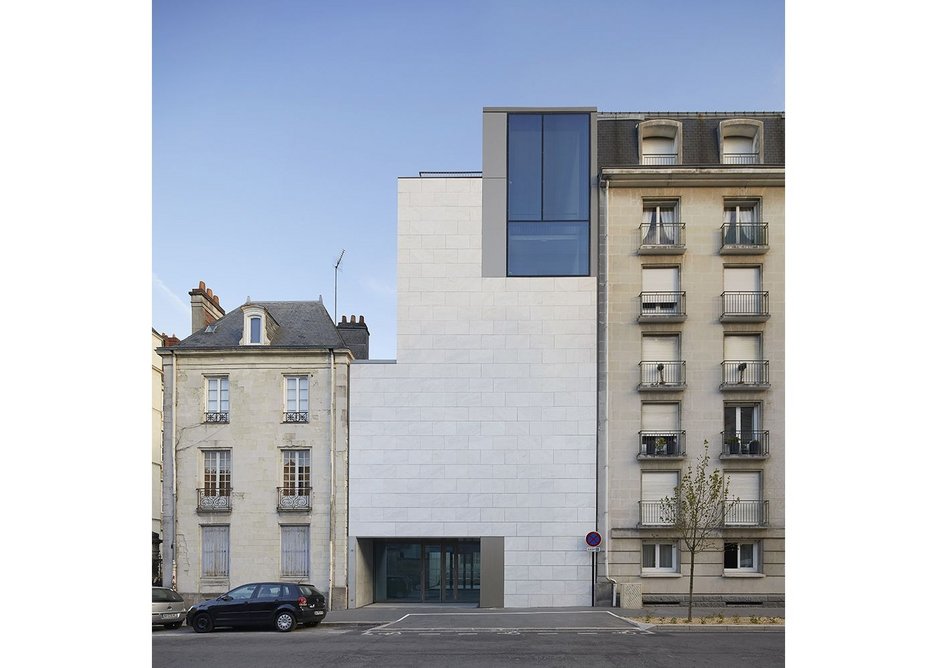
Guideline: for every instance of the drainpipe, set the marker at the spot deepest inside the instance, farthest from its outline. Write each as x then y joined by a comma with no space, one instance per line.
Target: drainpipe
604,361
331,475
169,481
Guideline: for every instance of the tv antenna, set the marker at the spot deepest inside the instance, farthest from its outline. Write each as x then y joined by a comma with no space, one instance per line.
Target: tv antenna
337,262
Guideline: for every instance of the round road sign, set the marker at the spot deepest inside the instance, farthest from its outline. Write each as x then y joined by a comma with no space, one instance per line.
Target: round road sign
593,538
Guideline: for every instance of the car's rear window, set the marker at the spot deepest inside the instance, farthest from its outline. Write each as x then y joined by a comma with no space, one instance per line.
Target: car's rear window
307,590
165,596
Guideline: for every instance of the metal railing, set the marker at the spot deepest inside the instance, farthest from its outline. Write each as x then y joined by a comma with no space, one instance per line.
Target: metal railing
741,513
746,513
745,234
662,443
662,374
296,416
744,373
294,498
659,159
653,514
741,304
745,443
214,500
216,416
740,158
663,304
663,234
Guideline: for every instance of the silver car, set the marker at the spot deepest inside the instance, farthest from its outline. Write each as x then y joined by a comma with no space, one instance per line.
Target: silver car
168,608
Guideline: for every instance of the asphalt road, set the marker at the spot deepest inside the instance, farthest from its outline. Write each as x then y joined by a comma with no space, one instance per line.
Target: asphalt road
390,647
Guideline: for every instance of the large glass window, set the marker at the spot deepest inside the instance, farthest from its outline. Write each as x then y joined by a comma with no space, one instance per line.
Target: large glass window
548,195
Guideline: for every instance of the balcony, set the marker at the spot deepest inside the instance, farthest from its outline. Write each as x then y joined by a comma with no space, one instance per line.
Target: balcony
663,307
219,417
654,514
296,416
745,444
744,307
659,159
739,158
294,498
662,376
214,500
746,513
661,445
662,239
741,375
744,239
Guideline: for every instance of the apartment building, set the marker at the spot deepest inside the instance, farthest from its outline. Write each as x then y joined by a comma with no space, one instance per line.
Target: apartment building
157,340
255,447
573,323
692,345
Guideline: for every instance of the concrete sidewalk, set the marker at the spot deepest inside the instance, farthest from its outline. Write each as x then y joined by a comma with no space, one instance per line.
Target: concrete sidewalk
452,616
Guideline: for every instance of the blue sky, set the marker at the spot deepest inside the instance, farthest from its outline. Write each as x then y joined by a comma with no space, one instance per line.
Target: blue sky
280,127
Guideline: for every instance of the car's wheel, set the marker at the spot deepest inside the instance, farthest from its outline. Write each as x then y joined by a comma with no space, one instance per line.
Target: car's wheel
285,621
202,623
174,625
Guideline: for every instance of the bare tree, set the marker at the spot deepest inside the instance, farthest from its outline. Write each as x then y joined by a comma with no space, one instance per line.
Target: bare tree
698,509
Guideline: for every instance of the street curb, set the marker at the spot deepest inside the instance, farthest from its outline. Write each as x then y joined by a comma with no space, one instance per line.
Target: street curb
718,628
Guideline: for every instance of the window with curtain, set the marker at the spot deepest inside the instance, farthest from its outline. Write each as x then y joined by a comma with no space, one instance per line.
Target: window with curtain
294,551
296,472
217,473
659,225
215,560
740,224
659,557
216,403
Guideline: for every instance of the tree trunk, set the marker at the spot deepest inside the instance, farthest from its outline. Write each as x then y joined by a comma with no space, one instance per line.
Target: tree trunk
692,571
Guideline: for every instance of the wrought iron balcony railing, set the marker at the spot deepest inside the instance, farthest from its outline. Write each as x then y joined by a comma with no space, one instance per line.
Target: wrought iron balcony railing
294,498
296,416
659,159
216,416
746,513
662,375
744,374
214,499
653,514
663,235
745,443
747,235
663,305
662,443
740,158
740,306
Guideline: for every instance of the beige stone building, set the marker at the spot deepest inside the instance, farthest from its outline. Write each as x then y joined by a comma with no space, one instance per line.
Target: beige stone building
691,349
255,446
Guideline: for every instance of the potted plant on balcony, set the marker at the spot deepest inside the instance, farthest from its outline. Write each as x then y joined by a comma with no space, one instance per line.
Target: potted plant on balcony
660,445
734,444
754,448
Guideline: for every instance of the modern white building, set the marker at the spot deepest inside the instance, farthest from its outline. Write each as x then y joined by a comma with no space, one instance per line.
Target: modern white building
473,467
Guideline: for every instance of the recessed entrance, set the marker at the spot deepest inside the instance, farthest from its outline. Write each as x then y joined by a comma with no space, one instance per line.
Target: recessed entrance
435,570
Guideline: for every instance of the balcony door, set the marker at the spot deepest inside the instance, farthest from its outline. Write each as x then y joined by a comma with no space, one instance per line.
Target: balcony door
746,486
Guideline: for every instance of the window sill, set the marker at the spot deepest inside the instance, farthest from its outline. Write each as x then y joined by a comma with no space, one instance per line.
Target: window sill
730,574
661,575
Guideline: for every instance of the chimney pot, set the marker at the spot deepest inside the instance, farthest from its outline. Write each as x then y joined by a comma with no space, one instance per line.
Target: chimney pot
201,285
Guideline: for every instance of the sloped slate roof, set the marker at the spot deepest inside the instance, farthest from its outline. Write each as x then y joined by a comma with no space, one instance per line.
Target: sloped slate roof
298,325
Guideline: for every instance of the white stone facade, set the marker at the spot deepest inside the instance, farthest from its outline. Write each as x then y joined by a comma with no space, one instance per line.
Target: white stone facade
256,437
486,423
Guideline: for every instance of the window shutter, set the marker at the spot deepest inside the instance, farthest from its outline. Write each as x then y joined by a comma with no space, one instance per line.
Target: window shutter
659,417
742,348
742,279
655,486
294,550
659,349
660,279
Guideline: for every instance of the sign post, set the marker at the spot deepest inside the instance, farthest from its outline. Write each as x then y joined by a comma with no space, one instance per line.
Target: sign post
593,540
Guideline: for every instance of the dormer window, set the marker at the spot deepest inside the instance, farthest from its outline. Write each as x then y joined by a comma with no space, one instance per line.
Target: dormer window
741,142
257,323
255,328
660,142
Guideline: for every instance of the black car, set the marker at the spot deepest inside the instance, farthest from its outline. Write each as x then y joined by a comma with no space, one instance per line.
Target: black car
282,604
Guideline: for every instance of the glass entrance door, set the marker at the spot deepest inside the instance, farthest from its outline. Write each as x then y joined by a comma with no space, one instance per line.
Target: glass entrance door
433,570
439,569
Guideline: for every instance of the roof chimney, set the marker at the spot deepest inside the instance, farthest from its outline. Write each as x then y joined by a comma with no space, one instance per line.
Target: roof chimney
206,307
355,334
